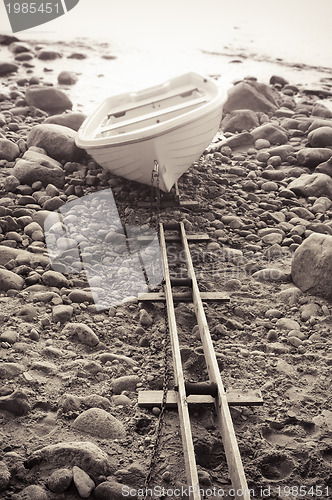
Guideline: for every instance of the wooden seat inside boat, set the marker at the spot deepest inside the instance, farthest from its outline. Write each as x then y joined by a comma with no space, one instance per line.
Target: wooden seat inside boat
155,115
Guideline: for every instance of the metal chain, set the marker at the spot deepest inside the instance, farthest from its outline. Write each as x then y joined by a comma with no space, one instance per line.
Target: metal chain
161,418
155,187
166,378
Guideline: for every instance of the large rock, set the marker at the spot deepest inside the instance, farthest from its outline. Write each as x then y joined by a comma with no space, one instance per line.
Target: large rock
100,423
32,492
8,150
58,141
111,489
71,120
240,120
315,184
5,476
18,47
85,455
321,111
319,122
282,151
273,133
48,54
35,166
311,157
10,280
6,68
312,265
17,402
254,96
320,137
325,167
47,98
243,139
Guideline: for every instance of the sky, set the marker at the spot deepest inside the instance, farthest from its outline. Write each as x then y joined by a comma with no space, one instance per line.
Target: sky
300,27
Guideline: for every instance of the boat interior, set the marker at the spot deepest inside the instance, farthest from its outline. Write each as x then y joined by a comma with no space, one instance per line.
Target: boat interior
149,112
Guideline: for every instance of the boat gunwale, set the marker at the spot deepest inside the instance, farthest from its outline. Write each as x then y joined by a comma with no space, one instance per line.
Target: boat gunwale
152,131
105,142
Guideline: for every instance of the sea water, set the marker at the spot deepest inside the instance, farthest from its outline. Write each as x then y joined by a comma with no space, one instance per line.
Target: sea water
153,41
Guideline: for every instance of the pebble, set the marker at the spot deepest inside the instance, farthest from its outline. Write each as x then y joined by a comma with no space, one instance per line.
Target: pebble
145,318
271,274
8,150
273,313
309,310
295,341
270,186
262,144
125,383
262,156
272,335
32,492
83,482
83,332
67,78
54,279
271,133
4,476
9,336
60,479
296,333
62,313
99,423
79,296
48,54
121,400
287,324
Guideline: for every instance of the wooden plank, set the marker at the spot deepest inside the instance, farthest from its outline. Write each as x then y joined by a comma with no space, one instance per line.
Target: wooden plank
187,89
150,399
184,297
169,204
187,440
233,457
155,114
191,237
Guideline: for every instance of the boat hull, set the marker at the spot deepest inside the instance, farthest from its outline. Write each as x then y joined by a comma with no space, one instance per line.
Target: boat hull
175,139
174,151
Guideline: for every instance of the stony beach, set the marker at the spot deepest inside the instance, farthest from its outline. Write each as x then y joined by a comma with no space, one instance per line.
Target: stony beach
70,371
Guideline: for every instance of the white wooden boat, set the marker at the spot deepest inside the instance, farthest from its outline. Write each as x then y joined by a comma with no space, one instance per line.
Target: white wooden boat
171,124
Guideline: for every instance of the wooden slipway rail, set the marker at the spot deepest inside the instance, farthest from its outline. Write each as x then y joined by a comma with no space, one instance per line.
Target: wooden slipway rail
214,390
